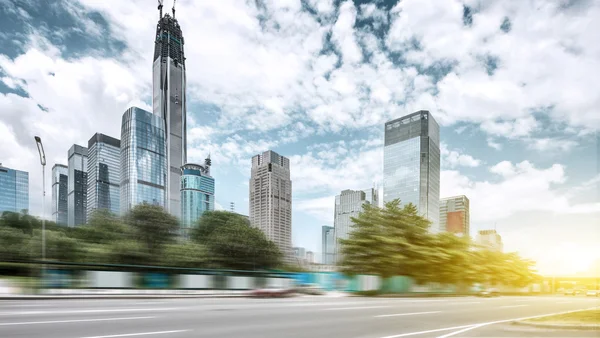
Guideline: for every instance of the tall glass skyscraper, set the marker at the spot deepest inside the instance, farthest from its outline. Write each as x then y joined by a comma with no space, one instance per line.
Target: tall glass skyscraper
14,190
411,163
327,244
143,159
104,161
197,194
60,190
348,204
77,187
169,101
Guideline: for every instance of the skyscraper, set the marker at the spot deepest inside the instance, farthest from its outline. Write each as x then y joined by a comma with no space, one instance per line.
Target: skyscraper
14,190
77,187
327,244
349,204
454,215
197,194
271,199
60,190
169,101
104,161
411,163
143,159
490,239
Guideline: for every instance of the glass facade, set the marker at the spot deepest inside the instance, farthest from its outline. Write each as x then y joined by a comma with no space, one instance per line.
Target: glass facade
14,190
104,161
143,159
197,194
77,186
349,204
60,190
327,244
411,163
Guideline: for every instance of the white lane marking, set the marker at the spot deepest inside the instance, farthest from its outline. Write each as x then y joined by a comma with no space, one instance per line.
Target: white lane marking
564,302
460,331
406,314
467,303
477,325
138,334
74,321
509,306
85,311
356,308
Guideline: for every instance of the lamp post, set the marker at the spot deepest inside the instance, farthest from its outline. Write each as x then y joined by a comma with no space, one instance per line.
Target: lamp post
40,147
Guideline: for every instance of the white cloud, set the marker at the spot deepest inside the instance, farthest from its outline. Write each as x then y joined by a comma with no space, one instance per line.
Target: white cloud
493,144
550,144
453,158
322,208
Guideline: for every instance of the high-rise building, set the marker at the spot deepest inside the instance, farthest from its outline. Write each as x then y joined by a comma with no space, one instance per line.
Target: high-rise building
271,199
490,239
60,191
454,215
299,255
310,257
104,161
77,187
327,244
411,163
169,101
349,204
14,190
197,194
143,160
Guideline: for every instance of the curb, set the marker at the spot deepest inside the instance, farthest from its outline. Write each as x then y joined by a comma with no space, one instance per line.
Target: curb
67,297
559,326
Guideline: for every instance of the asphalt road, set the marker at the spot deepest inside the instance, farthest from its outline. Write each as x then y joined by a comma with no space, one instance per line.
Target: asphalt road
309,316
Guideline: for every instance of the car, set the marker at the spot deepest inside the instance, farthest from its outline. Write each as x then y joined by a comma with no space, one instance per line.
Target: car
488,293
569,292
592,293
309,289
271,292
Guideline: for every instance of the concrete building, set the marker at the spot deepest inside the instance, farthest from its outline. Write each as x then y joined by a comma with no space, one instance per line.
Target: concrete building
60,191
103,178
310,257
490,239
349,204
197,194
454,215
327,245
169,101
299,255
14,190
411,163
143,160
271,199
77,186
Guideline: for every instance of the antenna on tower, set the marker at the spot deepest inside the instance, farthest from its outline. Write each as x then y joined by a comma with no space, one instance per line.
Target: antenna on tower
174,8
160,6
232,206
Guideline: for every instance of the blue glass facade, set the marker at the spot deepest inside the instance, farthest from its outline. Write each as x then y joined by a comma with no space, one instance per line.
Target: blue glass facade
143,159
104,161
14,190
77,186
327,245
411,163
197,194
60,190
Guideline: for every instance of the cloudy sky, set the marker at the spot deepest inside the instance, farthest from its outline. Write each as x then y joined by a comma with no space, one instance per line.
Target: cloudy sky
513,85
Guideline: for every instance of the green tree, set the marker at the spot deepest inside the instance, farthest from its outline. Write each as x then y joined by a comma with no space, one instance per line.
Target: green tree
185,255
212,220
152,227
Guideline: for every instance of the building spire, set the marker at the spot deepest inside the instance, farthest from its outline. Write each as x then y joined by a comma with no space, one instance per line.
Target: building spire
160,6
173,9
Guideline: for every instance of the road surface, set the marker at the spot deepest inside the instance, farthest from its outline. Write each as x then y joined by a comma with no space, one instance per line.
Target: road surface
308,316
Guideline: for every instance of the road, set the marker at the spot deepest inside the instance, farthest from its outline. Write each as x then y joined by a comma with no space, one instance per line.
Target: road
308,316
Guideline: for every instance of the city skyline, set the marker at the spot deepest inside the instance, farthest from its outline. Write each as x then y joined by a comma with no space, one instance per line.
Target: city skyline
318,89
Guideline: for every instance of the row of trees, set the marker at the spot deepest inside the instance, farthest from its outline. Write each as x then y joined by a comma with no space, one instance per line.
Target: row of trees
146,236
396,241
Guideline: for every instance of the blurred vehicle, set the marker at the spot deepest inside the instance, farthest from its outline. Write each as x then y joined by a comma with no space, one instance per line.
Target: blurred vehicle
593,293
488,293
569,292
272,292
310,289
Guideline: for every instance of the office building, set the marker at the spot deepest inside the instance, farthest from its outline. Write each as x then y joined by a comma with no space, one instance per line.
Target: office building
77,187
169,101
60,191
327,244
454,215
490,239
349,204
143,160
14,190
411,163
197,194
310,257
271,199
104,161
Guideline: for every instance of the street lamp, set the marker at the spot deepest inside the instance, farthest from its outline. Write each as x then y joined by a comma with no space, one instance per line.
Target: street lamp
40,147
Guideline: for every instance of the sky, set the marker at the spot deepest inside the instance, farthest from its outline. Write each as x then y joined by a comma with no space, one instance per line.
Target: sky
513,85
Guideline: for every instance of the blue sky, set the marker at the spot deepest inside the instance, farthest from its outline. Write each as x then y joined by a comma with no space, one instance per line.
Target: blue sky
511,83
